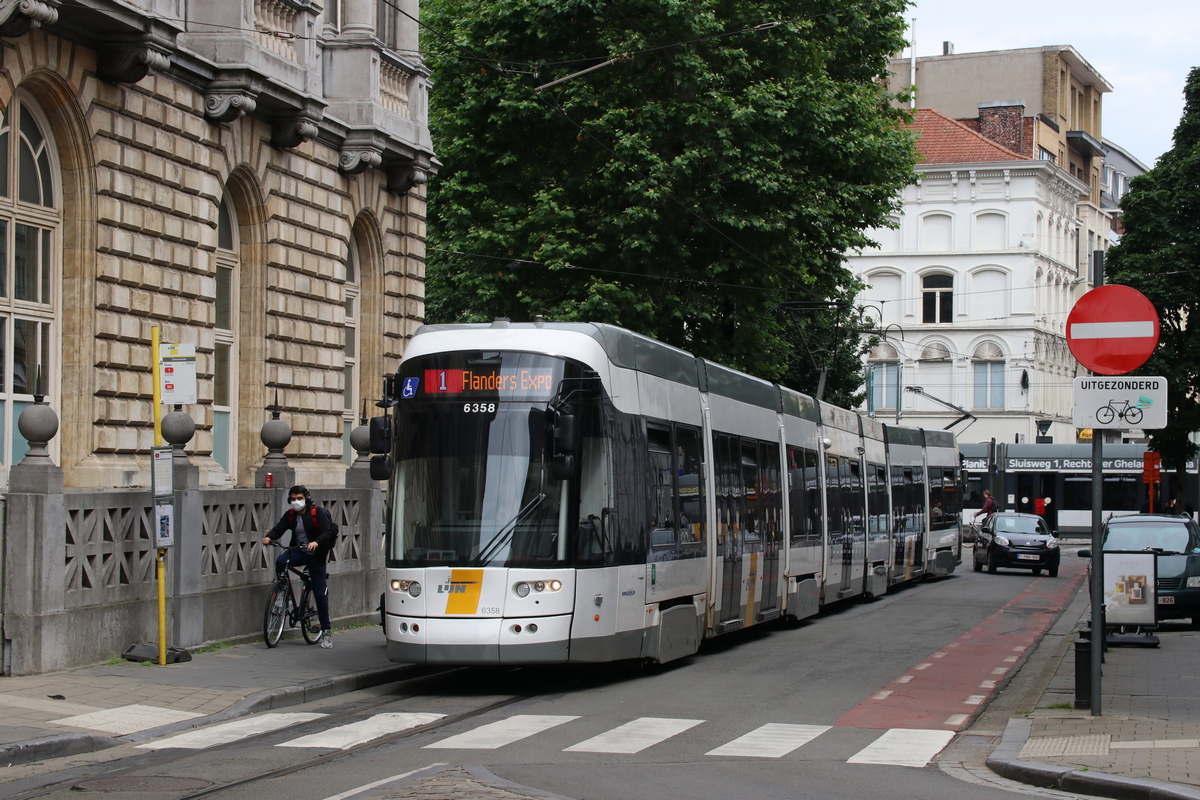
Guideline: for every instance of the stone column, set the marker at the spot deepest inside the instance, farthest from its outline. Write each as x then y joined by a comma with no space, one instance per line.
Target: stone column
35,634
275,434
359,474
183,560
358,18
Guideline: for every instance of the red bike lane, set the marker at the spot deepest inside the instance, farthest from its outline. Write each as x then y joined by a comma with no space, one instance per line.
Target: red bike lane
944,690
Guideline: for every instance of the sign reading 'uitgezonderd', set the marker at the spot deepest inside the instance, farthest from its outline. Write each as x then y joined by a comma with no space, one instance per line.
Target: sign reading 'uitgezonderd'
1121,403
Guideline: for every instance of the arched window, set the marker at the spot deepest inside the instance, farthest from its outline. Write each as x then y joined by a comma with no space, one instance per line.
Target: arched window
937,233
883,378
935,375
884,289
937,299
30,218
350,370
991,230
225,348
987,365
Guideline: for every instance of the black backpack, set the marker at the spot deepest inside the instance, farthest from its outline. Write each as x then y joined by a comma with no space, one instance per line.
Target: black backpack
333,526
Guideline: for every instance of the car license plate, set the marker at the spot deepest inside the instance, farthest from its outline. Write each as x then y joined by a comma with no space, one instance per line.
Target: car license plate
1166,601
1029,557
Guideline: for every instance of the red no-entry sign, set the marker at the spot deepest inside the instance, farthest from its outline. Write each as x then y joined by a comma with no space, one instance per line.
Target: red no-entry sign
1112,330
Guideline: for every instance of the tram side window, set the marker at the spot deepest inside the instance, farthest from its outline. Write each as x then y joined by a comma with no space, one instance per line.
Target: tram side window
689,469
939,518
899,500
974,493
730,502
854,500
662,525
951,500
877,497
750,490
802,491
918,498
1077,494
770,503
1120,493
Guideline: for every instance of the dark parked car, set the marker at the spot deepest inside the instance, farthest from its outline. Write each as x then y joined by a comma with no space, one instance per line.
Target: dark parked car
1021,541
1176,540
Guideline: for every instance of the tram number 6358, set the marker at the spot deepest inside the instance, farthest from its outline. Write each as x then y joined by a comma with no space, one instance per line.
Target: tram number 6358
479,408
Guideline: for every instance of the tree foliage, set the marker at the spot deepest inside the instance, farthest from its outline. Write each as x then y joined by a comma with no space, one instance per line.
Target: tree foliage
683,192
1159,255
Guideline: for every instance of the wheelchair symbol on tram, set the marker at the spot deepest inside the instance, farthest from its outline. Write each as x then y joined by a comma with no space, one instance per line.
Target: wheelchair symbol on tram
409,390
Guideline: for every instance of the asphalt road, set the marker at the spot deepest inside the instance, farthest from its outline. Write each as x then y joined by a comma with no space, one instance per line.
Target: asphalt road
908,670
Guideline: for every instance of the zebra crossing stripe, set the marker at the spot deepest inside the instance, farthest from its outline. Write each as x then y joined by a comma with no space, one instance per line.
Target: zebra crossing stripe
903,747
773,740
363,731
230,731
498,734
634,737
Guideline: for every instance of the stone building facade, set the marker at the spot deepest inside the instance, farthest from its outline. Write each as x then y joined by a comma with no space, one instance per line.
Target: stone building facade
247,176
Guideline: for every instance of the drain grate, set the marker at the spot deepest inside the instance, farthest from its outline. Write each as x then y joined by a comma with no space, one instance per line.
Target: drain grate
142,783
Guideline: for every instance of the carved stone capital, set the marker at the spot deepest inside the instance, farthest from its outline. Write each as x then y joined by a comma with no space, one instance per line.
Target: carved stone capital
402,178
130,62
18,17
227,105
292,131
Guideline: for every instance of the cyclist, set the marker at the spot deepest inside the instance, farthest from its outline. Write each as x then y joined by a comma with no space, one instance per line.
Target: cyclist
312,539
989,506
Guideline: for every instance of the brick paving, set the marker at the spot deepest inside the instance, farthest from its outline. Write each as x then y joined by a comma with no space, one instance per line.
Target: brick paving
1151,720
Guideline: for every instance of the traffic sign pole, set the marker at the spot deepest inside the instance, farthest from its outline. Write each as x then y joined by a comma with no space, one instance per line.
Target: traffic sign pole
1096,651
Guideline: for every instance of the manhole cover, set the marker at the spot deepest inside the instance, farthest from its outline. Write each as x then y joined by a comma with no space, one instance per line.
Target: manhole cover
142,783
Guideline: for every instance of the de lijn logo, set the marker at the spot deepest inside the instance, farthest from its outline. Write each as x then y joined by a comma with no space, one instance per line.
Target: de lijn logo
454,587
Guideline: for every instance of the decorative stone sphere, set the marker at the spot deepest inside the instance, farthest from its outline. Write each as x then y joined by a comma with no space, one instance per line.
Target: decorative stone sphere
276,434
38,423
178,428
360,439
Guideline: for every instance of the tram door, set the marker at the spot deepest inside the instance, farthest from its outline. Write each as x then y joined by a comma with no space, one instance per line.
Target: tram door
730,513
837,577
770,523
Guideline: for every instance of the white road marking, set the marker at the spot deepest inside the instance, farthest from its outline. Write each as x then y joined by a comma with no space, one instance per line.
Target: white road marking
903,747
1010,658
926,665
999,670
634,737
882,695
956,719
904,678
975,699
373,784
773,740
498,734
988,685
127,719
1020,649
346,736
229,731
1133,329
939,655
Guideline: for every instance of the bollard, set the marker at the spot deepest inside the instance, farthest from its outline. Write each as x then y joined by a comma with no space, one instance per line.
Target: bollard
1083,673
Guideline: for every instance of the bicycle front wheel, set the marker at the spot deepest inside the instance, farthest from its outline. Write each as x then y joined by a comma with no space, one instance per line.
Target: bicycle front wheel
276,615
1105,415
310,624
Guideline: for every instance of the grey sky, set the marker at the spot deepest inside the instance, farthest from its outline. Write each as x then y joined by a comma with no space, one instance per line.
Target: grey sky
1144,49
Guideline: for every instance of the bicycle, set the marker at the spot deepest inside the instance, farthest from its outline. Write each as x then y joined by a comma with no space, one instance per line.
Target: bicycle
1131,414
283,607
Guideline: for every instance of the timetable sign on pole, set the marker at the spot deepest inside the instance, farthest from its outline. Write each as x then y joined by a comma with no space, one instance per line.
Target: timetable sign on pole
177,373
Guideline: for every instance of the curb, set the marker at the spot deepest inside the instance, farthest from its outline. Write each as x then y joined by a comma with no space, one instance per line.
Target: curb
1004,761
71,744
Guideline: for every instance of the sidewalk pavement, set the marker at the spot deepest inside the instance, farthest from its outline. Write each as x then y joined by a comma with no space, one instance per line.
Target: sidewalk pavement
82,710
1146,743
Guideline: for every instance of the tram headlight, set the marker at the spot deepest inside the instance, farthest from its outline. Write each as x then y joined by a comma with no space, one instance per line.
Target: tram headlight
396,586
522,589
414,588
539,586
1051,544
1001,540
555,585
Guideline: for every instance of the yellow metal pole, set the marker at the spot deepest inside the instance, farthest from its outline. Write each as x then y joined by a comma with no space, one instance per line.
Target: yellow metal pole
160,564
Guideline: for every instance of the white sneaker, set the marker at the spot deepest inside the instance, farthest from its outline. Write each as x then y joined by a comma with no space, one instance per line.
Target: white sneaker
327,639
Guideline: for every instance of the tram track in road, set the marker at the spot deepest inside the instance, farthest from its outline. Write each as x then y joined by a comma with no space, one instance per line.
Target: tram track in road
153,764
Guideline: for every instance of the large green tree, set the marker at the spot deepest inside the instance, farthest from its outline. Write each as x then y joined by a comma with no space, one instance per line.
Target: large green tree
684,191
1159,255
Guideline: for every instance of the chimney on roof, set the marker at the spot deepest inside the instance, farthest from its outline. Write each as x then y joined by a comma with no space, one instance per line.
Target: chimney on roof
947,48
1003,122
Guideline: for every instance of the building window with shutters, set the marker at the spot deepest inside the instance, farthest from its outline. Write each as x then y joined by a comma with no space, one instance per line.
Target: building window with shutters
937,299
987,365
30,218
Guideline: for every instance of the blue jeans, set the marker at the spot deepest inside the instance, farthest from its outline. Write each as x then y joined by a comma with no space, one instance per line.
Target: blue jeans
316,571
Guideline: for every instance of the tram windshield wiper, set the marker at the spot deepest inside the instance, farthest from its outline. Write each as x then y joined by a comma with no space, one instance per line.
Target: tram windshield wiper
505,533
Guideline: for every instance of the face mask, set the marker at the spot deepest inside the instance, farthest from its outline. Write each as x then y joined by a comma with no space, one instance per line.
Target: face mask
297,504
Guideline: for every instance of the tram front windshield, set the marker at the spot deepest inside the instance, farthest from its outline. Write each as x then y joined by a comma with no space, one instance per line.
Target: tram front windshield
473,484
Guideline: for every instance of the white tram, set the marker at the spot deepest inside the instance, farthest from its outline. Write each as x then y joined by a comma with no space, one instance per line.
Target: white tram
572,492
